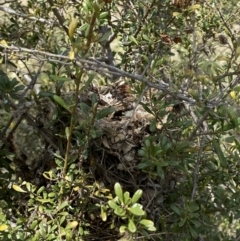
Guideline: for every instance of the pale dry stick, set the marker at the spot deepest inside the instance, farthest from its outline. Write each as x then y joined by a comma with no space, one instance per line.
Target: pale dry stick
97,68
13,12
10,1
92,61
135,11
160,86
95,62
61,19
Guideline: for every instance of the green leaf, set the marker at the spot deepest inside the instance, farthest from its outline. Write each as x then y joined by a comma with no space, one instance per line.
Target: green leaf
36,236
88,82
52,194
127,199
119,192
193,232
112,204
63,213
15,96
103,15
193,207
94,99
105,112
81,231
88,4
72,225
6,104
175,209
196,223
173,163
160,171
137,195
162,163
133,40
45,94
72,27
148,224
120,211
144,165
146,108
175,14
62,219
105,36
34,224
40,190
51,237
67,132
63,205
69,235
3,79
17,188
131,226
136,209
236,88
103,214
232,116
123,229
49,175
194,7
182,222
220,154
145,37
85,108
181,146
44,200
61,102
29,186
153,125
18,88
141,152
148,143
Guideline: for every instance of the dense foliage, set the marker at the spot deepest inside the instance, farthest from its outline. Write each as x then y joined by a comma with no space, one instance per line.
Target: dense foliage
119,120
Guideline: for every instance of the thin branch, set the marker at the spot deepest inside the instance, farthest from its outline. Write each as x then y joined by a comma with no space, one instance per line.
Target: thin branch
32,123
13,12
32,82
59,17
94,62
196,169
200,123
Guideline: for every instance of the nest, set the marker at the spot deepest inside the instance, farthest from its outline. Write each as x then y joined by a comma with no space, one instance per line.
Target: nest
114,156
